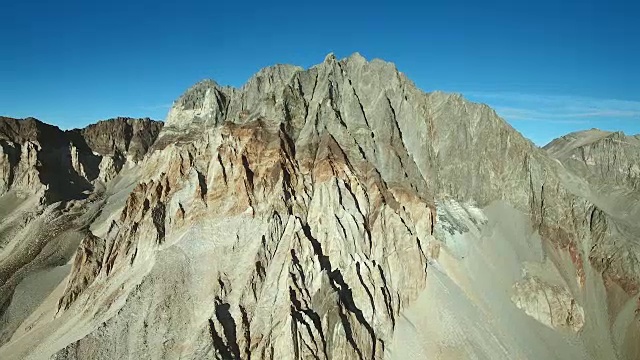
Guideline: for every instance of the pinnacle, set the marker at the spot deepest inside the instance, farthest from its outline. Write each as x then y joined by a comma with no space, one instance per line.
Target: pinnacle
357,57
330,57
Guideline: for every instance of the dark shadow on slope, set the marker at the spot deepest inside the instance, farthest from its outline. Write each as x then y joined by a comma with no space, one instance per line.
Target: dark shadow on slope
246,325
295,310
345,294
386,294
230,349
297,305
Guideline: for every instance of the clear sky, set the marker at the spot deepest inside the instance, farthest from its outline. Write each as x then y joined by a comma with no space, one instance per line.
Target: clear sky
548,67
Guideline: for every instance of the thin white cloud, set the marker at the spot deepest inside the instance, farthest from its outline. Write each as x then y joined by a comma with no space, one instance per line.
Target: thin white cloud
557,109
531,114
155,107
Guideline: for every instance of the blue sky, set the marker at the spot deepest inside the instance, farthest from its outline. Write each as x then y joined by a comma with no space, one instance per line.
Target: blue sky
548,67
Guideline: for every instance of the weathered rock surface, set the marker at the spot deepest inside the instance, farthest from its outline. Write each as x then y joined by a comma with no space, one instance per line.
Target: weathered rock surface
313,212
552,305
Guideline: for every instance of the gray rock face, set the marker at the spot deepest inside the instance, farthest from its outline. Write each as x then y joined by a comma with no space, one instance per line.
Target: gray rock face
302,216
552,305
601,156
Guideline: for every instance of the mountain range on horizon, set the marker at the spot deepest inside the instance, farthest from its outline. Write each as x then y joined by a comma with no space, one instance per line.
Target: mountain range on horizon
329,212
119,118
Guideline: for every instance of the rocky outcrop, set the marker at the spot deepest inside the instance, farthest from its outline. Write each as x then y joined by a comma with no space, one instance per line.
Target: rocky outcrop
337,217
31,130
552,305
120,142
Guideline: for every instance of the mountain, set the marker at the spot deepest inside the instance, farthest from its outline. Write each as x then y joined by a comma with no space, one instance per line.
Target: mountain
37,155
601,156
334,212
52,183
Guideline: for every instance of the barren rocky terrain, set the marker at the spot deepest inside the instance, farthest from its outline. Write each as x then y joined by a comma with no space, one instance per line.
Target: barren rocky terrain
334,212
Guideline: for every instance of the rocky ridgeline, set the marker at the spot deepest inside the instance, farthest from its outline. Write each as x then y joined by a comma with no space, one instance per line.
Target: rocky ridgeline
38,157
609,157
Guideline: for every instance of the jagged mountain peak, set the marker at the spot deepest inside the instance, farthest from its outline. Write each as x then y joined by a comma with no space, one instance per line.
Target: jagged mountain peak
330,57
208,100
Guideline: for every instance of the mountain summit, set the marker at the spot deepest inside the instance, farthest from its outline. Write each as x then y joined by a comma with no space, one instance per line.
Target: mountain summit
335,212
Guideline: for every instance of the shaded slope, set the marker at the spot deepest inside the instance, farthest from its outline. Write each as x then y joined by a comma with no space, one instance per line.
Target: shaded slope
51,188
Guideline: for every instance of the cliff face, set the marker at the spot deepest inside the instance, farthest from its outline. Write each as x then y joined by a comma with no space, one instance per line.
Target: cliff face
129,137
308,213
21,142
